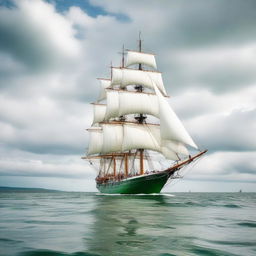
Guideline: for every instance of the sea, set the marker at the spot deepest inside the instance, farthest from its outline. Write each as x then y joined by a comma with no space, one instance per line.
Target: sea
81,224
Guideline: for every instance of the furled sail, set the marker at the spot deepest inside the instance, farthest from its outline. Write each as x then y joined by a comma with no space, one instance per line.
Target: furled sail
134,57
95,141
171,126
104,83
125,76
99,113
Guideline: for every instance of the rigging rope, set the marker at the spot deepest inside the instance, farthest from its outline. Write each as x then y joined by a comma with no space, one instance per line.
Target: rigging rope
109,166
150,162
121,164
132,168
92,165
186,169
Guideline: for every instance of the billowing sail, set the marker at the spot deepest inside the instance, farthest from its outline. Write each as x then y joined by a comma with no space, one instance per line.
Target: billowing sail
135,103
169,154
140,136
124,102
99,111
175,146
95,141
105,83
112,138
134,57
125,76
171,126
112,104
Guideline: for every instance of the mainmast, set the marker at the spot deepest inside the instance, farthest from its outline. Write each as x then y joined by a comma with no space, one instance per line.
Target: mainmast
140,65
122,119
139,88
114,167
141,118
123,57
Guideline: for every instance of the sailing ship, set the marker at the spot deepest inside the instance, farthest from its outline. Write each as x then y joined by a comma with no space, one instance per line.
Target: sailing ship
133,127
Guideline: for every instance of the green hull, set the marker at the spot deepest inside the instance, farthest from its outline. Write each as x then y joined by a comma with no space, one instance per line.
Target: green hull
145,184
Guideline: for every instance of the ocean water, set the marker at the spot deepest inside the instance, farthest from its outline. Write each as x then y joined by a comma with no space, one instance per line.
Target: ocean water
80,224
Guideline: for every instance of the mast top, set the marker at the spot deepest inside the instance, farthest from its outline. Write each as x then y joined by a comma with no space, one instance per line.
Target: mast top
139,41
123,57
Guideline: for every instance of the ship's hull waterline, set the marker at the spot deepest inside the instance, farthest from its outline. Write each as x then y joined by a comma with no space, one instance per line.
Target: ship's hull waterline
146,184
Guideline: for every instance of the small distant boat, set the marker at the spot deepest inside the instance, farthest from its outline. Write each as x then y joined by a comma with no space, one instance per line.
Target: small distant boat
121,137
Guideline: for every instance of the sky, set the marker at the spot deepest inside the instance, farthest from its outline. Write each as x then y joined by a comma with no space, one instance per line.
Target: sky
51,53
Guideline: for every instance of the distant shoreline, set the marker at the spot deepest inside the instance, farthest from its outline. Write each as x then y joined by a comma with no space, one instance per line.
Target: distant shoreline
5,189
32,190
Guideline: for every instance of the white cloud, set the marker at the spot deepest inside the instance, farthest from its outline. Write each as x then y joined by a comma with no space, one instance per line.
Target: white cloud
44,125
35,34
225,166
232,132
44,113
220,69
78,17
71,167
192,103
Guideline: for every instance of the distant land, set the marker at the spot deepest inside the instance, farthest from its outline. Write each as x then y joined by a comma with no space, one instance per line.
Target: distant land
4,189
32,190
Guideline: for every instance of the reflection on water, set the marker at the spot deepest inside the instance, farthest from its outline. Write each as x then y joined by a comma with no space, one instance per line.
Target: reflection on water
131,225
161,225
82,224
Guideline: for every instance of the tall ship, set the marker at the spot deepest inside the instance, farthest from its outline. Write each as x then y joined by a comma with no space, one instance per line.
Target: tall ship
136,142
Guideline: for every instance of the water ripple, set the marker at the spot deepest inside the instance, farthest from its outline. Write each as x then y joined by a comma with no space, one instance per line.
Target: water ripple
250,224
90,224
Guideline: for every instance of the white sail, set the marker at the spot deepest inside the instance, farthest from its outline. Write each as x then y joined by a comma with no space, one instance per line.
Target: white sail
124,137
140,136
104,83
112,109
125,76
138,103
175,146
171,126
95,141
146,136
169,154
134,57
124,102
99,111
112,138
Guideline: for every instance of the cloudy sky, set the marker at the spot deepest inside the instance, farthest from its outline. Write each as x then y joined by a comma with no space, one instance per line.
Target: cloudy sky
52,51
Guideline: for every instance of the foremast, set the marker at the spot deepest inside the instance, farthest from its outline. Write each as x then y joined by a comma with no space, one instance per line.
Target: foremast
118,140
